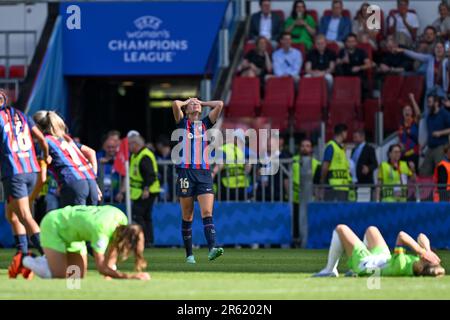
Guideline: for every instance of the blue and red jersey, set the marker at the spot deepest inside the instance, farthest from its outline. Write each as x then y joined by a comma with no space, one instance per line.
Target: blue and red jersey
17,152
194,153
68,164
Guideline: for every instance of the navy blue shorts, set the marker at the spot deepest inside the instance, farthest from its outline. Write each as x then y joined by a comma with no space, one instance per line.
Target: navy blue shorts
79,192
19,186
194,182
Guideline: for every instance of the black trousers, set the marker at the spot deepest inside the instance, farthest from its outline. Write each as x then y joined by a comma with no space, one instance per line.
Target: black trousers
296,225
141,213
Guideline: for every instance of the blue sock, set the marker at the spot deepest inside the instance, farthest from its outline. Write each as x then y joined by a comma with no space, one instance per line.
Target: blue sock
36,241
21,243
186,231
210,232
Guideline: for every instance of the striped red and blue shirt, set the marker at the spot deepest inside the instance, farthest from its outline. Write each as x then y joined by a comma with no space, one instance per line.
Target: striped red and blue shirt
68,164
194,152
17,152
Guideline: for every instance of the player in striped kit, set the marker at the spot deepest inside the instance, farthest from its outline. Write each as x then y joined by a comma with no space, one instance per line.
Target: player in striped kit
19,167
194,175
74,166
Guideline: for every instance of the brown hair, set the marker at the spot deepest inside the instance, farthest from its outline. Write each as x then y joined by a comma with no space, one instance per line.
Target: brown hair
431,270
49,122
130,238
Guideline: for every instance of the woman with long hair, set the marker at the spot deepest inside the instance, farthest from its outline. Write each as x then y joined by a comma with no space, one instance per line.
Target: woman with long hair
301,25
19,168
105,227
371,254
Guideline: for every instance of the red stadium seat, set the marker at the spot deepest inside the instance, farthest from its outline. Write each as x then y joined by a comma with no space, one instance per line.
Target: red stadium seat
279,97
279,13
313,13
333,46
245,97
2,71
411,84
250,45
17,71
311,100
345,13
347,90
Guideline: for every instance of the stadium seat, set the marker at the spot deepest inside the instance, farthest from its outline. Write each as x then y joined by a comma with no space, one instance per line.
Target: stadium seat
280,13
245,97
313,13
2,71
333,46
347,90
390,93
310,103
345,13
17,71
411,84
250,45
279,98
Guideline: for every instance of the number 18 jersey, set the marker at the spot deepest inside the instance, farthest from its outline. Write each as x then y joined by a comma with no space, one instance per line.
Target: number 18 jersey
17,153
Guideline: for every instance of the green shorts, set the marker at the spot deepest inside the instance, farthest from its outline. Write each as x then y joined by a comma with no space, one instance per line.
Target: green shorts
360,252
51,237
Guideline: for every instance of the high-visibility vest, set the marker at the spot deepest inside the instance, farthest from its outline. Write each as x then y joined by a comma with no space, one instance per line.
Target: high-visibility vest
339,169
296,175
136,180
392,176
233,174
446,164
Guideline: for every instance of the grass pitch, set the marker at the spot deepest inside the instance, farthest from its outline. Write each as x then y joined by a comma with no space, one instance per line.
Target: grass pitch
238,274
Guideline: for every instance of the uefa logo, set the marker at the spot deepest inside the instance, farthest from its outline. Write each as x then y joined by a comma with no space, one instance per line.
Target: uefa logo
147,22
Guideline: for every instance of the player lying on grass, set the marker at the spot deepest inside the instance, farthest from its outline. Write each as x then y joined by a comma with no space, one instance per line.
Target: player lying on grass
63,232
372,254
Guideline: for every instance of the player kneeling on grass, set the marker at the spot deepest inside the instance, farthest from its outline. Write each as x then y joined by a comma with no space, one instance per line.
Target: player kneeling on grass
63,232
373,254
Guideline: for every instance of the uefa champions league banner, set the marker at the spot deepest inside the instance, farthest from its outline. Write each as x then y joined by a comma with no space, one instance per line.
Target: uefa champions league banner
139,38
433,219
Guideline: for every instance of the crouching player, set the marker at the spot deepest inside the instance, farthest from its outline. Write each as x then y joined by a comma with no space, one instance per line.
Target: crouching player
63,232
373,254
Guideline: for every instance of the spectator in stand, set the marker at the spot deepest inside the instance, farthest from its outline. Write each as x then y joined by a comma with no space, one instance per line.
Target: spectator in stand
301,25
364,159
438,130
408,133
442,177
108,178
266,24
257,62
436,72
287,61
360,27
428,40
336,27
353,61
403,24
163,153
393,61
320,61
442,24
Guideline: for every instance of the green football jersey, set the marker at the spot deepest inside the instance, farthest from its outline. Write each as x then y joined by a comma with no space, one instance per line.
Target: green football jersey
400,264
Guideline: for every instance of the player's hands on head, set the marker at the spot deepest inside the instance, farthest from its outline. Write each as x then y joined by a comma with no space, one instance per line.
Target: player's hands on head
430,257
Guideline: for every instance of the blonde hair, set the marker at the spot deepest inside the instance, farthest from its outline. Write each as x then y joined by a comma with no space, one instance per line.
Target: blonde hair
130,239
49,122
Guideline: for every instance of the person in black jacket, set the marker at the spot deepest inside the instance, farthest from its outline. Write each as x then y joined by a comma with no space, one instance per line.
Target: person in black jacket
364,158
266,24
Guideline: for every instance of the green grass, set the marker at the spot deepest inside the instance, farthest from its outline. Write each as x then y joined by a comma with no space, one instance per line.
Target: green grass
239,274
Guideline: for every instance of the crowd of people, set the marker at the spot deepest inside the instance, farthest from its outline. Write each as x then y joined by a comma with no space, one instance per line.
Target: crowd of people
337,45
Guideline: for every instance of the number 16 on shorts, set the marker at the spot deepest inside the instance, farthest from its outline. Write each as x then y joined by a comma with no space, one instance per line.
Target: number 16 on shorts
184,185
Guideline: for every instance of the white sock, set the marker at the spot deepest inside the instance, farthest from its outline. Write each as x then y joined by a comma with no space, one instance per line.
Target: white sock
366,243
335,253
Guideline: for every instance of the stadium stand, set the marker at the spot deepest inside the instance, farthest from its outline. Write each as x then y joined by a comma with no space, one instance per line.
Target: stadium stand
245,97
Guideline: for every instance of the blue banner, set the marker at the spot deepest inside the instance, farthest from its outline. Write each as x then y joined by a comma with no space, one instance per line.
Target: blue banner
236,223
139,38
433,219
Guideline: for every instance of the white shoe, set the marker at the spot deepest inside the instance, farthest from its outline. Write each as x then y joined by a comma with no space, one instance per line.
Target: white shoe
325,274
38,265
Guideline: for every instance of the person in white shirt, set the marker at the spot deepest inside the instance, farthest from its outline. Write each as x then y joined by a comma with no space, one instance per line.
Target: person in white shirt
403,24
287,61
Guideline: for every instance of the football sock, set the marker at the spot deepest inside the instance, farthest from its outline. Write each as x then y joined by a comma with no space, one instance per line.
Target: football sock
210,232
36,241
21,243
335,253
366,243
186,231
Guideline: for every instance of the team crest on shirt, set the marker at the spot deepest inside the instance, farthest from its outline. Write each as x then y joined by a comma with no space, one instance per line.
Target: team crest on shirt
190,135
